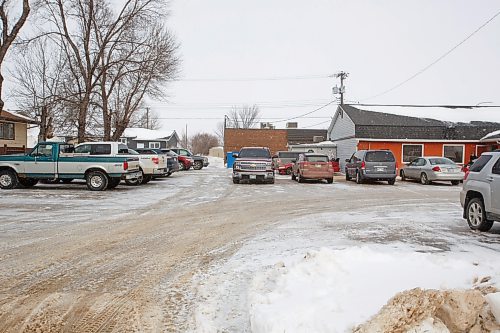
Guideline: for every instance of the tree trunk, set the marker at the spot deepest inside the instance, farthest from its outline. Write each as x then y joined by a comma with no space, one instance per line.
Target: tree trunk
82,119
1,86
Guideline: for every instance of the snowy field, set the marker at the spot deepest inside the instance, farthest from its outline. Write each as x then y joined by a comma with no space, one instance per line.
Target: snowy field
197,253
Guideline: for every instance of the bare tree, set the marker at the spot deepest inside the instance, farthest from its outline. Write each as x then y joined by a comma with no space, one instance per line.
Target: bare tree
9,34
202,142
243,117
146,119
219,131
38,92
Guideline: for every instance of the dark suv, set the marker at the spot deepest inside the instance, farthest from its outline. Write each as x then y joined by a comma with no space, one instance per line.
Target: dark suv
371,165
199,161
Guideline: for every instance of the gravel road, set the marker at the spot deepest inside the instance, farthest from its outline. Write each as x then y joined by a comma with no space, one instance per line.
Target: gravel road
123,260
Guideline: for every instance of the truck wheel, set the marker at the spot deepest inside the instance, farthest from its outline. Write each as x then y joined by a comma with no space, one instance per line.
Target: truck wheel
271,181
293,176
329,180
113,182
146,179
135,182
300,179
391,181
97,181
455,182
198,165
347,177
476,215
168,174
8,179
236,181
28,182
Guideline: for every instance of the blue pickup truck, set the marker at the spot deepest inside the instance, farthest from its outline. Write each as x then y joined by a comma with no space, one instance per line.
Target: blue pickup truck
57,161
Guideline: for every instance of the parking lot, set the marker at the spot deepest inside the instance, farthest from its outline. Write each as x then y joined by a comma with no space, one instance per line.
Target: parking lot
150,258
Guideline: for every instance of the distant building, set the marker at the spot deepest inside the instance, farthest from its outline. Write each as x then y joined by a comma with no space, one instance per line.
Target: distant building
145,138
354,129
14,132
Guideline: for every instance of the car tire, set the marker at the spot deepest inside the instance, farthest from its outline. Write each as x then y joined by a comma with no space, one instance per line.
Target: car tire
293,176
347,177
403,176
455,182
27,182
137,181
168,174
236,181
476,215
359,178
8,179
289,171
96,181
300,179
113,182
391,181
329,180
198,165
146,179
181,166
424,180
271,181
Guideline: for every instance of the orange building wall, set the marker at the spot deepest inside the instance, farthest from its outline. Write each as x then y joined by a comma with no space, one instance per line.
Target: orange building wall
430,148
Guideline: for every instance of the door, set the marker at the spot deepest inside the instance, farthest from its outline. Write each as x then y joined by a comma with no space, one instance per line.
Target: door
494,180
41,162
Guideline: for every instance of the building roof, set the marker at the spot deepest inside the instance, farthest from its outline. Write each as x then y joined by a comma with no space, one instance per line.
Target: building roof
144,134
380,125
491,137
301,136
16,117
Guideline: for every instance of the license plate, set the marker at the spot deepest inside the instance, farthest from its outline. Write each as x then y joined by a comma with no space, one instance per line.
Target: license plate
253,177
379,169
318,165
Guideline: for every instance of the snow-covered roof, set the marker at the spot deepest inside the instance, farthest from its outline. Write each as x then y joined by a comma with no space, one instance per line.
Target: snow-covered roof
146,134
493,136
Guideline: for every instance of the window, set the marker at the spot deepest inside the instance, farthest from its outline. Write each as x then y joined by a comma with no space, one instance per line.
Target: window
83,149
480,163
379,156
454,153
154,145
100,149
444,160
496,168
42,151
411,152
7,131
420,162
122,149
123,140
140,145
317,158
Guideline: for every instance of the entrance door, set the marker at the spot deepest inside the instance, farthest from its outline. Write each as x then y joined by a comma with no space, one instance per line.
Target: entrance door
41,162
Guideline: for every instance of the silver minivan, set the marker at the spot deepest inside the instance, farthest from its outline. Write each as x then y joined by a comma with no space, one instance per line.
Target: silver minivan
371,165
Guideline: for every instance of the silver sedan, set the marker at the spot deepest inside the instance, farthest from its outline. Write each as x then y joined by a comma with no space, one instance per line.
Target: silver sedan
428,169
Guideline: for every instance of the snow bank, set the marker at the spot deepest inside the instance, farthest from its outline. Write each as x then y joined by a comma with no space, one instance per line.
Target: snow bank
215,162
145,134
335,290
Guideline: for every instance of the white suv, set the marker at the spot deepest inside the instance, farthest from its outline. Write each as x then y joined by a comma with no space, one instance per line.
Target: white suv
480,196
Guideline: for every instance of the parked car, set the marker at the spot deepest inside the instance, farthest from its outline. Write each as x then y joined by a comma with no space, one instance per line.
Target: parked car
371,165
480,194
198,161
152,164
253,164
185,162
172,159
57,161
312,166
283,161
335,164
428,169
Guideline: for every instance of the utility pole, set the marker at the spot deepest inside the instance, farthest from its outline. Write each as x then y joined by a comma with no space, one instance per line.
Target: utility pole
186,139
147,117
342,75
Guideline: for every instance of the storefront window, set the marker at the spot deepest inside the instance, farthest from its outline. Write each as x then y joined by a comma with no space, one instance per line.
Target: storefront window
411,152
454,153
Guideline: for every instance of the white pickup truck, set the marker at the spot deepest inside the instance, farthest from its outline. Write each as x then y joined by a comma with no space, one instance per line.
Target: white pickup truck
150,165
57,161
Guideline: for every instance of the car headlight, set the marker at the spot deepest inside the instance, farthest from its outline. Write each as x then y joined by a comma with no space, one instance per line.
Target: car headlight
236,165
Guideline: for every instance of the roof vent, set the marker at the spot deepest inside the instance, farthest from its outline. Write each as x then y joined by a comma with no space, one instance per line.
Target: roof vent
266,126
292,125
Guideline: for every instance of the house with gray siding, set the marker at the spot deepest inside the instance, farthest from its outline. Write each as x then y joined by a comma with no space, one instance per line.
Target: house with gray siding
145,138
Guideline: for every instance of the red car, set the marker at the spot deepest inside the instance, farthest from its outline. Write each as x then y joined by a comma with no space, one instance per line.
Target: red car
313,166
185,162
284,161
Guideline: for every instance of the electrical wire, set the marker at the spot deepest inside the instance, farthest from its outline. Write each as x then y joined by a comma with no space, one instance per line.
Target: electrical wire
248,79
445,106
321,123
435,61
304,114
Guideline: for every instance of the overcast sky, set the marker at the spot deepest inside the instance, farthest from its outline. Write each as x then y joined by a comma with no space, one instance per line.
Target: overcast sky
380,43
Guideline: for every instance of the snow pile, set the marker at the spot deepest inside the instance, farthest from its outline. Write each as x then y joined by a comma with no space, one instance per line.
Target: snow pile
335,290
146,134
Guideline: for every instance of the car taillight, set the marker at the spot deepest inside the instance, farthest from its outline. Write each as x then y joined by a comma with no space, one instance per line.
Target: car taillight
437,169
156,160
125,165
466,174
363,165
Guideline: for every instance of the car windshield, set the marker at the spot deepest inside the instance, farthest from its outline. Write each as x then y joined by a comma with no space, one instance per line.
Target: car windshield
379,156
132,152
317,158
254,152
435,161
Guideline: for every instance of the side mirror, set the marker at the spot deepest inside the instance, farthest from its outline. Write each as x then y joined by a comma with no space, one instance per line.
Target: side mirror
348,160
294,161
275,156
235,155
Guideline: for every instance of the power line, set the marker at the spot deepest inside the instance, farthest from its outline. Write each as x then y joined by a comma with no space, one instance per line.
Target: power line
219,118
445,106
321,123
435,61
305,114
274,78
